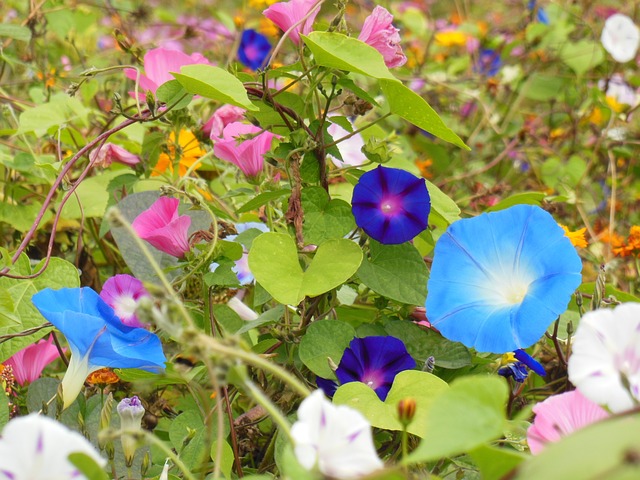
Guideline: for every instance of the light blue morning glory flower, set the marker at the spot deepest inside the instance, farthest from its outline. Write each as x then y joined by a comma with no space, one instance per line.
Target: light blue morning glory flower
500,279
97,337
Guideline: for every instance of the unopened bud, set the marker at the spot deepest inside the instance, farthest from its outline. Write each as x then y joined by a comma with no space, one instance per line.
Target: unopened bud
131,412
406,410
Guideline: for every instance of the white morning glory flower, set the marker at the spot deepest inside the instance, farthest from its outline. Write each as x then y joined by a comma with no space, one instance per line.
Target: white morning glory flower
336,438
605,363
620,37
38,447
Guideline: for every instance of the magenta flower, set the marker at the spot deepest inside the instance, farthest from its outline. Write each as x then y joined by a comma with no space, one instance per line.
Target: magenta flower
158,65
378,32
247,154
560,415
110,152
122,293
28,363
222,117
286,14
162,227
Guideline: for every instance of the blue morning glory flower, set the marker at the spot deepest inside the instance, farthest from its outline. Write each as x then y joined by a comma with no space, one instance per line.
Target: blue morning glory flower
530,362
488,62
500,279
541,15
391,205
374,361
97,337
254,49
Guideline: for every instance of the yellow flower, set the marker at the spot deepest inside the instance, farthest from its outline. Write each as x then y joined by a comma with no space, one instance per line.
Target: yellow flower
187,150
614,104
260,4
268,28
451,38
577,238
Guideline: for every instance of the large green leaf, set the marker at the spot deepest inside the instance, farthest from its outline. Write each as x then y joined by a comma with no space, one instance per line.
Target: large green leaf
422,387
273,259
60,109
413,108
335,50
422,344
215,83
323,340
325,219
494,463
17,32
395,271
466,416
442,206
582,56
59,274
607,449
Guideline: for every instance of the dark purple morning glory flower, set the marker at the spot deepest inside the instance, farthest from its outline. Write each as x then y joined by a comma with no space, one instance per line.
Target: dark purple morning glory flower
391,205
489,62
374,361
530,362
517,370
254,49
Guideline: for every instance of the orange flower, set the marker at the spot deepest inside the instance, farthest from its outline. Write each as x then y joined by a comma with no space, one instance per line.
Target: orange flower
187,150
104,376
577,238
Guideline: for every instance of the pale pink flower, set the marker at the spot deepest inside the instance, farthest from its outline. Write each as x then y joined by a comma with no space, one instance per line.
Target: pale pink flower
350,149
158,65
162,227
620,37
110,152
285,14
248,155
559,416
378,32
122,293
28,363
222,117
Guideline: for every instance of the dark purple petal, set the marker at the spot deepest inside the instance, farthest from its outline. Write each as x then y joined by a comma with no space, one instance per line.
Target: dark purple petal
517,370
329,387
374,361
391,205
254,49
530,362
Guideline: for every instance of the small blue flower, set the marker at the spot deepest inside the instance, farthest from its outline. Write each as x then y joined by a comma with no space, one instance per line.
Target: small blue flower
541,13
500,279
517,370
254,49
489,62
530,362
391,205
374,361
96,336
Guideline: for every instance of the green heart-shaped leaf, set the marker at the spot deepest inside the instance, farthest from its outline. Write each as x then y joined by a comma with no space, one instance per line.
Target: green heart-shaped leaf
423,387
273,259
325,219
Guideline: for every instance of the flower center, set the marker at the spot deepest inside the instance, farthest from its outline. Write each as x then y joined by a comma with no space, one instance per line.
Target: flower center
515,292
125,306
372,379
389,206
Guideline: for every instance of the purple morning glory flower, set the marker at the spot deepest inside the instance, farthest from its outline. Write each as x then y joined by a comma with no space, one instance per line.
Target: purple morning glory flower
489,62
517,370
254,49
374,361
391,205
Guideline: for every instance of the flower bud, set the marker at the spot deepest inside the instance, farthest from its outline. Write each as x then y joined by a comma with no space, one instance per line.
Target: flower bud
406,410
131,412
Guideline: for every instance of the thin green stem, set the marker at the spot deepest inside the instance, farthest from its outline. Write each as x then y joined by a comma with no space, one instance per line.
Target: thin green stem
268,405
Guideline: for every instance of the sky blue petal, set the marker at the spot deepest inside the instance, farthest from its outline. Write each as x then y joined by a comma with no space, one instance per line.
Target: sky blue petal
137,349
498,280
53,303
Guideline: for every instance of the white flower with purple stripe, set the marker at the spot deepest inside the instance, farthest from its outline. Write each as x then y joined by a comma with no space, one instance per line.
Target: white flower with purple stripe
605,364
38,447
335,438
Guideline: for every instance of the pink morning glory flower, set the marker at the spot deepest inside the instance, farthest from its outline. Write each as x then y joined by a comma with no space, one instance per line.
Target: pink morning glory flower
287,14
110,152
560,415
605,363
162,227
122,293
247,154
336,439
222,117
158,65
28,363
378,32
